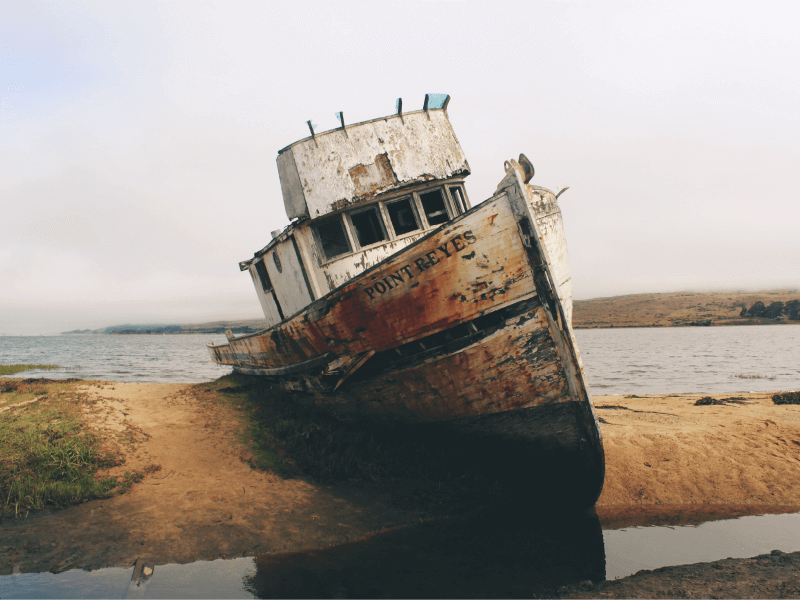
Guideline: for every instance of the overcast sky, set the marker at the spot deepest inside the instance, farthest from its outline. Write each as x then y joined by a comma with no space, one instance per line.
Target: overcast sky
138,141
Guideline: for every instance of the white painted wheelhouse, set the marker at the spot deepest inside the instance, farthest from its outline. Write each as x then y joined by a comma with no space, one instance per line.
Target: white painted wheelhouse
358,194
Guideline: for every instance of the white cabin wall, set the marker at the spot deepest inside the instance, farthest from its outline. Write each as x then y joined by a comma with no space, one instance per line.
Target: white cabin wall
325,277
336,170
289,282
341,271
308,254
267,301
337,272
551,228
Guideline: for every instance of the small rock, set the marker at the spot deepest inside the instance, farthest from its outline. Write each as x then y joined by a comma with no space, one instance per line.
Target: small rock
586,585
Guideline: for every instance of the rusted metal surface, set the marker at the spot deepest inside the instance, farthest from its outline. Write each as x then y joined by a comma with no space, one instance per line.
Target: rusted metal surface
471,265
467,323
315,274
332,170
368,180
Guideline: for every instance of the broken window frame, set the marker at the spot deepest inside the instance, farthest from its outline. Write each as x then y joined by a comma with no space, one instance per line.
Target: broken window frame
324,259
445,197
373,206
386,222
457,206
414,210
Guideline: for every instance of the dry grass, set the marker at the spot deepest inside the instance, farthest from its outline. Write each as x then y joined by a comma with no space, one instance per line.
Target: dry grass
48,457
14,369
675,309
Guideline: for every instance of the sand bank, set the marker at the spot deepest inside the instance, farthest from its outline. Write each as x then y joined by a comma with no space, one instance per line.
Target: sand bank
666,450
204,502
201,500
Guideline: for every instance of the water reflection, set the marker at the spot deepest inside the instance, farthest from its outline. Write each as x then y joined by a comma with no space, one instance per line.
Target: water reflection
501,552
490,554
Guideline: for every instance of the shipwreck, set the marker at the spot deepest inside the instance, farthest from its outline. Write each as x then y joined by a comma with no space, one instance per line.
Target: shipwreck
391,298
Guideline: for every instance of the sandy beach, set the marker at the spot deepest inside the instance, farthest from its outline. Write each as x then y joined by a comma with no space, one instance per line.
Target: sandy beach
204,502
666,450
201,500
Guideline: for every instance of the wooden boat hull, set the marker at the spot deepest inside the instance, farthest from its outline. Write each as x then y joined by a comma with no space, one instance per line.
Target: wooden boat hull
467,327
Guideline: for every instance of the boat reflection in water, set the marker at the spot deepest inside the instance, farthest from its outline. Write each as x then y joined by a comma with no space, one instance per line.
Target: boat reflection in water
489,554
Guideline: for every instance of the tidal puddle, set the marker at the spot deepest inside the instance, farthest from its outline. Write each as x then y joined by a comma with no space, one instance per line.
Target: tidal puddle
490,554
648,541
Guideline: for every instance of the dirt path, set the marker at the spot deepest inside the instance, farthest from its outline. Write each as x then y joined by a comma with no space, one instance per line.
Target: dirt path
203,503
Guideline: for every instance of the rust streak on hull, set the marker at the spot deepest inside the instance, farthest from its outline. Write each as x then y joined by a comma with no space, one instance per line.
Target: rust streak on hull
467,325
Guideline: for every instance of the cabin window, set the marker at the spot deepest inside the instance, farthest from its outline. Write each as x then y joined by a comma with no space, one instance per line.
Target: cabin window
434,207
368,226
402,216
458,199
261,269
333,238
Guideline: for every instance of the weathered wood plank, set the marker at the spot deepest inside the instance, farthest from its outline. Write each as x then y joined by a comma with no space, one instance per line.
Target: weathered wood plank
474,264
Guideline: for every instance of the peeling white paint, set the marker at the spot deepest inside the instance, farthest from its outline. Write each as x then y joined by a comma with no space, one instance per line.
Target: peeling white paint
332,170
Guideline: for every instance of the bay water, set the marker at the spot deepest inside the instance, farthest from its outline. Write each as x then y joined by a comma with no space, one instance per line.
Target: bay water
617,361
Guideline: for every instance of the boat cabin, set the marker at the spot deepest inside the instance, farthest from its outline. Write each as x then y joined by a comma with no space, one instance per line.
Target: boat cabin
358,194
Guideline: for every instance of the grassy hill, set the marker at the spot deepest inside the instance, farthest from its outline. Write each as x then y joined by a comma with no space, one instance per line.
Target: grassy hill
677,309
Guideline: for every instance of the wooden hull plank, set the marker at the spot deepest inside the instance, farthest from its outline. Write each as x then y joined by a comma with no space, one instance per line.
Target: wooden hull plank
469,327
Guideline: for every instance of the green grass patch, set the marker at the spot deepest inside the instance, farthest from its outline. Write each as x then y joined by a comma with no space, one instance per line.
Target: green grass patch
47,455
13,369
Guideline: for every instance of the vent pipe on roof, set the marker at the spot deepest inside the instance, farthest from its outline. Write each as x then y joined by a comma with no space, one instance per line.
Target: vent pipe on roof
340,116
311,128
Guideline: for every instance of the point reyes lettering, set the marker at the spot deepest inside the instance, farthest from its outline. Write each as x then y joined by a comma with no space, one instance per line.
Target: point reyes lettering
418,265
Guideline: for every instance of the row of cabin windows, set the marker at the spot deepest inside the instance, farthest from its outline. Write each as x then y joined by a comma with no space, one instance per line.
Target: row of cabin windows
404,216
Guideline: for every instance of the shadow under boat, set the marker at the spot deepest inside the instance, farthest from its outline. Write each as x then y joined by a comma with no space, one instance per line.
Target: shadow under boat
491,553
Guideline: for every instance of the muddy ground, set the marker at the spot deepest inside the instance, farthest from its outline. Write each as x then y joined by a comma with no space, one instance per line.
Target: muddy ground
201,500
774,575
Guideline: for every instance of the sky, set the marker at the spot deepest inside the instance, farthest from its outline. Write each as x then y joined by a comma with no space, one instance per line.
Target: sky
138,140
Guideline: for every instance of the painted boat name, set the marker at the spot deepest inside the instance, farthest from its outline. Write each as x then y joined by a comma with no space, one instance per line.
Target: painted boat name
422,263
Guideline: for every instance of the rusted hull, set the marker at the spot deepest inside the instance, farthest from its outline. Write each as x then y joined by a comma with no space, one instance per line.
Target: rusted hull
466,327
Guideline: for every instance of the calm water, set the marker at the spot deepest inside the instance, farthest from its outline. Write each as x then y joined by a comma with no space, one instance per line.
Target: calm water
691,359
487,555
142,358
617,361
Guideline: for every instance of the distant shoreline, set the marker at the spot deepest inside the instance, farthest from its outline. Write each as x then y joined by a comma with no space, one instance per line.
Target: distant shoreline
680,309
712,324
675,309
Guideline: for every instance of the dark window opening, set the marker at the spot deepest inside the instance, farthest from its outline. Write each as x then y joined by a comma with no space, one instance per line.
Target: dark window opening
434,207
277,260
401,213
368,226
459,200
261,269
333,238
